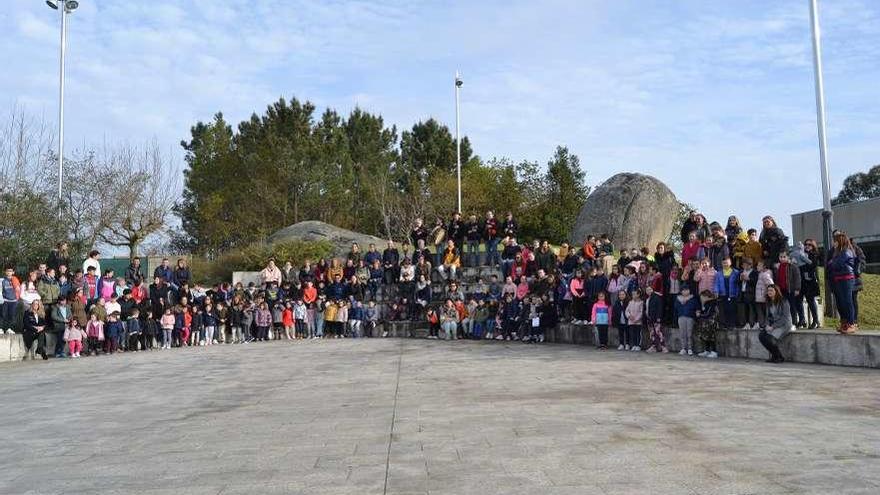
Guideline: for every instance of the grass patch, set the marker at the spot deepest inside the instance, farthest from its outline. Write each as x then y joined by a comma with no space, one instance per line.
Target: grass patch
869,302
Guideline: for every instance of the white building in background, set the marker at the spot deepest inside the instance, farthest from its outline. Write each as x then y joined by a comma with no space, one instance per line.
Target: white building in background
860,219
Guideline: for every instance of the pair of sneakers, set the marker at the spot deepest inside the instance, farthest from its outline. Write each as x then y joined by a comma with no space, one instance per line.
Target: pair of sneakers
9,331
708,354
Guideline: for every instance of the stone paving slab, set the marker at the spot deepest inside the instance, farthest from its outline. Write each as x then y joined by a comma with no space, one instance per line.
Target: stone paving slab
430,417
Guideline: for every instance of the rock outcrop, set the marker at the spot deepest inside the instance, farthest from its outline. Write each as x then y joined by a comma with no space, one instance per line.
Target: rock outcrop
341,239
635,210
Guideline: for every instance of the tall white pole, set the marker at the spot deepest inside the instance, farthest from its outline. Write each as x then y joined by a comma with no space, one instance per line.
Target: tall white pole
820,104
63,7
457,139
827,214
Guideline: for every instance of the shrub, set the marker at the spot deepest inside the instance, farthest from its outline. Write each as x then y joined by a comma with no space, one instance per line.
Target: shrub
253,258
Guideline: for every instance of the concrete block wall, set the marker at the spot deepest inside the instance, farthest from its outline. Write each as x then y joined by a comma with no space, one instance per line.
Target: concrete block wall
11,348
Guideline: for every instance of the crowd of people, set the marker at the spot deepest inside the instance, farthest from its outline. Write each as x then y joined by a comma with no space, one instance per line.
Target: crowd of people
726,276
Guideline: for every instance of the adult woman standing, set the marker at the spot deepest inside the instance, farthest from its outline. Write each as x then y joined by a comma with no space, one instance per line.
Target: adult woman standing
842,270
778,324
773,241
732,231
810,282
34,326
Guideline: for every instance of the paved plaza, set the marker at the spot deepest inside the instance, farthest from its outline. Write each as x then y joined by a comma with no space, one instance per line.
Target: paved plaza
426,417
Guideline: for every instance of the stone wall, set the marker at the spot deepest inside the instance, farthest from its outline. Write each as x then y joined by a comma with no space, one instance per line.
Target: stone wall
803,346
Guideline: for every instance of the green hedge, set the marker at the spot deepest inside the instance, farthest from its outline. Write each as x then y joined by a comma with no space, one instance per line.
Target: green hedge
254,257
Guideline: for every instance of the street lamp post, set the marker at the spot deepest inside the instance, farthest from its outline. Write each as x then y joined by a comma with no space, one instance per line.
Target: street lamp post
458,83
827,214
65,7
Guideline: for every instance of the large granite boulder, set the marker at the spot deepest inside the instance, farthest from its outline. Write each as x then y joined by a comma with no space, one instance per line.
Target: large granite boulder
312,230
635,210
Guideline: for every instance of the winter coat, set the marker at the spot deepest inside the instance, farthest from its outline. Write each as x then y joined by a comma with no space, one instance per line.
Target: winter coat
654,308
686,307
727,286
717,252
765,279
618,313
705,280
792,277
95,329
809,276
601,314
773,241
843,265
635,312
74,334
779,318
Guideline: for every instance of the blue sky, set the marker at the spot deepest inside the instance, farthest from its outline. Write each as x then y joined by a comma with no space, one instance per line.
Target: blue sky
713,97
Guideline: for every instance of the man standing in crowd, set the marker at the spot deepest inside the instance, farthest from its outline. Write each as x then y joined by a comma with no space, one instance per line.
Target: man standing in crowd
134,272
509,227
391,263
163,271
490,231
456,230
474,235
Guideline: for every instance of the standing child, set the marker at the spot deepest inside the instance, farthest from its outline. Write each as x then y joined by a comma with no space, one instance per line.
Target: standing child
618,317
211,321
149,330
330,310
372,318
133,329
287,321
196,326
236,312
342,320
263,319
654,320
748,282
95,334
635,317
248,315
300,314
167,323
356,320
707,323
673,285
600,317
114,332
479,315
686,307
277,321
765,279
73,335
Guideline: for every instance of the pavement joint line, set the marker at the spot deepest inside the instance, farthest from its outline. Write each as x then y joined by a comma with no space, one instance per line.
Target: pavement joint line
393,417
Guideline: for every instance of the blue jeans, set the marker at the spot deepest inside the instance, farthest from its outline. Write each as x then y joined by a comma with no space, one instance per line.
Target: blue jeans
843,298
492,256
506,265
319,324
473,248
7,319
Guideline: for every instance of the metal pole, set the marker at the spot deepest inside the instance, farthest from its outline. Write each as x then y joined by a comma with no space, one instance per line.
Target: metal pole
63,7
827,214
457,139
